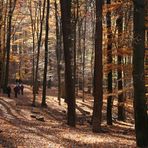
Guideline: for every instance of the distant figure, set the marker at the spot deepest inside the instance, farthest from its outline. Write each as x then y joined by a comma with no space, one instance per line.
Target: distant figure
22,89
17,81
16,91
18,88
8,91
20,81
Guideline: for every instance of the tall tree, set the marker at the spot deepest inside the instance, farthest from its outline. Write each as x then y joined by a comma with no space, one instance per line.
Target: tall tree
46,56
68,44
58,49
121,98
98,73
1,49
84,53
3,31
33,40
38,51
12,4
141,118
75,20
109,61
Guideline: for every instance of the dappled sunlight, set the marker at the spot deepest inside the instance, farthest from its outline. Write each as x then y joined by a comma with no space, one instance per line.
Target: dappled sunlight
18,122
73,74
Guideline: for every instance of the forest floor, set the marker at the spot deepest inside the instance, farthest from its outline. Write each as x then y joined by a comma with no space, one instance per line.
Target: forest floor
23,126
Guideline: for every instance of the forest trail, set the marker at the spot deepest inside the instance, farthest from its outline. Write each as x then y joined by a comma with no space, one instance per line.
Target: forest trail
22,126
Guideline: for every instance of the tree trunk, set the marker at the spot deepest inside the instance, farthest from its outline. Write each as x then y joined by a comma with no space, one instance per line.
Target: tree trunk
141,118
84,53
109,61
46,56
121,98
10,14
93,46
4,45
33,42
98,73
38,54
58,51
1,49
67,40
79,52
76,17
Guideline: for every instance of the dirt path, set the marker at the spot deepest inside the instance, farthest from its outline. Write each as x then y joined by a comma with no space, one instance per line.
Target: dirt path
20,126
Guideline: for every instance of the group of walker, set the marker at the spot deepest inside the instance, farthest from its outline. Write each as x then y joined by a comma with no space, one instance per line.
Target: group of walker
18,89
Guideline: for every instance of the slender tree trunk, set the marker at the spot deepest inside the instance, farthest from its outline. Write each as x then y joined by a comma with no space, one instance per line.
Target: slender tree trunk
76,17
67,40
38,54
33,42
7,52
98,71
109,61
4,45
10,14
46,56
58,51
121,98
79,52
84,53
20,61
141,117
75,48
1,49
92,53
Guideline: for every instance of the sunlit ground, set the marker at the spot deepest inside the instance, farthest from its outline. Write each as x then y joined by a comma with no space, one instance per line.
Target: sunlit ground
19,129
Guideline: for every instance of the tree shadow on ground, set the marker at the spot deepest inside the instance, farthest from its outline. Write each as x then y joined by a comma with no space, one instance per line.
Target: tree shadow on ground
51,131
78,144
6,142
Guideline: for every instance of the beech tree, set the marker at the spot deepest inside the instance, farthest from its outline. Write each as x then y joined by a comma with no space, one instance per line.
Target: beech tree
1,47
46,56
98,71
69,74
121,98
140,108
11,4
109,61
58,48
38,51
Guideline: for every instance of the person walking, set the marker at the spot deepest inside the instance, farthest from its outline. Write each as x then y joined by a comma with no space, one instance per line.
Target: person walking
16,91
8,91
22,89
